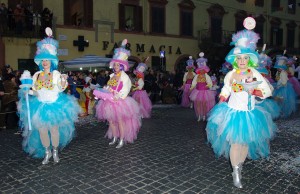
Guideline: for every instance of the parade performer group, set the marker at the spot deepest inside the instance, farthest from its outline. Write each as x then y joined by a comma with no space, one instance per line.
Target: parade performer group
239,126
284,92
291,72
120,110
47,111
187,82
139,94
238,129
201,95
269,104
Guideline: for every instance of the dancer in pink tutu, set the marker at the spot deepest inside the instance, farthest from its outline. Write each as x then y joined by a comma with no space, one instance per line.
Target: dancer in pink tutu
139,94
291,71
187,82
202,96
120,110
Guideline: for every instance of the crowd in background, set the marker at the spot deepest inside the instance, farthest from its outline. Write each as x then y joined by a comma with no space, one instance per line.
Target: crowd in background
23,18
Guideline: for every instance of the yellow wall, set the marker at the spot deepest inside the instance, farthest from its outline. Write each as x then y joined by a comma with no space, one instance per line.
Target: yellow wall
18,48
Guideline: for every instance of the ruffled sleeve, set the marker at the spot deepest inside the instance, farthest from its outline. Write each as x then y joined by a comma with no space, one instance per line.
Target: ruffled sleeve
283,78
57,81
208,80
194,82
123,93
140,84
34,78
226,90
184,77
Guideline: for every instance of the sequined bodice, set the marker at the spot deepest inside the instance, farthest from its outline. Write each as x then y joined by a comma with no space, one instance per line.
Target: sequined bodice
44,81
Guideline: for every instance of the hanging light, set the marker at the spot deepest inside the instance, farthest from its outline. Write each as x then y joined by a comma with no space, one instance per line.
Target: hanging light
80,68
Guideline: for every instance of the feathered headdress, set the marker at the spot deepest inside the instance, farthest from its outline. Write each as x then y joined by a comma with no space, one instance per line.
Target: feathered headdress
47,50
121,55
226,67
244,42
141,68
264,63
201,63
281,62
292,60
190,63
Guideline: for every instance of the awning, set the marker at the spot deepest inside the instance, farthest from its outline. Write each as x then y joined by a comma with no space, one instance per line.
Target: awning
89,61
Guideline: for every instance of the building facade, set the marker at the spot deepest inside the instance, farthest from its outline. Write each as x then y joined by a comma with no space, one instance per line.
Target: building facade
180,28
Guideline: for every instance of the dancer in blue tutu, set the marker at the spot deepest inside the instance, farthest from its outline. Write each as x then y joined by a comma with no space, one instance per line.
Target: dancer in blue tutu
49,122
269,104
237,128
284,92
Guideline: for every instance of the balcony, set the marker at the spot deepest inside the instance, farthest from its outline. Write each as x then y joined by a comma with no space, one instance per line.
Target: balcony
25,26
217,37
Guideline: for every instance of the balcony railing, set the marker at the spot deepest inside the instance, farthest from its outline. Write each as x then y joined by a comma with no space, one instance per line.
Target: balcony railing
222,37
25,26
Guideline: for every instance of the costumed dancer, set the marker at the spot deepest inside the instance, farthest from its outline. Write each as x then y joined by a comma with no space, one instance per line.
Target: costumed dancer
237,128
284,92
139,94
202,96
226,67
187,82
269,104
120,110
51,111
291,72
89,97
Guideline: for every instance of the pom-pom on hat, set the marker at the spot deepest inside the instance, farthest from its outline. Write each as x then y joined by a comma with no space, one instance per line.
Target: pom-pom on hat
190,63
281,62
244,42
201,63
47,50
121,55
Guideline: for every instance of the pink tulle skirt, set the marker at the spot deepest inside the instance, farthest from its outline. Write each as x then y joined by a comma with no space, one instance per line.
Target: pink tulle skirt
204,101
185,101
121,114
296,85
145,104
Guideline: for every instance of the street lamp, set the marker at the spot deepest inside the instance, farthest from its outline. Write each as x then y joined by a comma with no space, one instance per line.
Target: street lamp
162,56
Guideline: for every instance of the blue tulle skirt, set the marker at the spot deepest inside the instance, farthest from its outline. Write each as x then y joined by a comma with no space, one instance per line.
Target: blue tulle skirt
271,106
228,126
44,116
286,98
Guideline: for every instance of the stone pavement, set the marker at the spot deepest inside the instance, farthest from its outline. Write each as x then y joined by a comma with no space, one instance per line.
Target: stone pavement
169,156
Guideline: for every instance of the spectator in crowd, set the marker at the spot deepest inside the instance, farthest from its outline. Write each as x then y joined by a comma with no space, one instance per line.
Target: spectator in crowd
6,71
19,18
9,101
36,22
10,19
46,19
3,18
2,114
102,78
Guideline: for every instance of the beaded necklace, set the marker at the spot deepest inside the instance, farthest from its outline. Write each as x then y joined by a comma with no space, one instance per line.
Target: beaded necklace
238,71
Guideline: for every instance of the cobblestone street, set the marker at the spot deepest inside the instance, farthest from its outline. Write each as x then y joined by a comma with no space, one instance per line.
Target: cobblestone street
170,156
